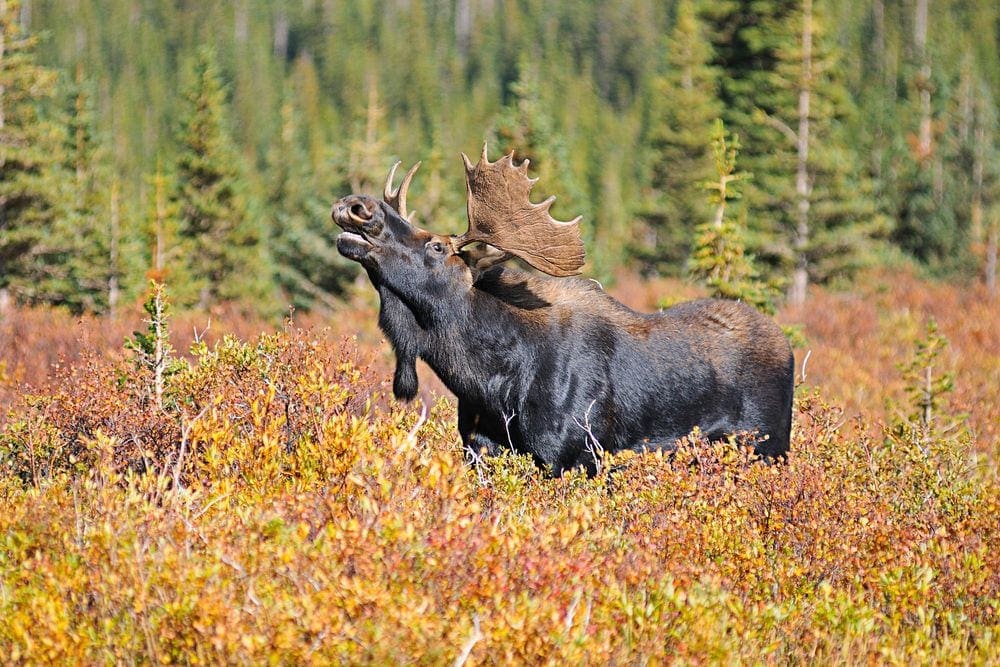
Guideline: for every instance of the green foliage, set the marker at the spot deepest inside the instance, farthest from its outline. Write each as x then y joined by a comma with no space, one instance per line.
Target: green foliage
613,103
719,258
33,246
153,352
765,78
925,384
527,127
103,261
308,267
938,441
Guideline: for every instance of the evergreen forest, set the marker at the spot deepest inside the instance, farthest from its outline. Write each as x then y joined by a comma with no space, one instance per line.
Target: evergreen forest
202,143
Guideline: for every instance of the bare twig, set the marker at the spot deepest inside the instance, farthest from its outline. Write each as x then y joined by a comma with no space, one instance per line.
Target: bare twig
593,445
411,437
199,336
470,643
571,612
779,125
507,419
185,434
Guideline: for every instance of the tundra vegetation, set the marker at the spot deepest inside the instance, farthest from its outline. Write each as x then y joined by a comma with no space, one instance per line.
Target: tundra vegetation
269,501
215,488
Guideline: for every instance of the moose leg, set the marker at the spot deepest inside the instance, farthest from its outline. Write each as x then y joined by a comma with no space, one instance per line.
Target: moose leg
404,378
406,336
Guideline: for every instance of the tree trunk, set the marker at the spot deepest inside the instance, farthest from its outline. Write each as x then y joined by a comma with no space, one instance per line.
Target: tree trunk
113,288
924,78
4,292
991,256
160,184
241,23
878,15
281,34
800,243
978,172
3,53
463,27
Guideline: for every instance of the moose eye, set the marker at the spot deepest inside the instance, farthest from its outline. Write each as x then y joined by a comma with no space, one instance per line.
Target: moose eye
437,247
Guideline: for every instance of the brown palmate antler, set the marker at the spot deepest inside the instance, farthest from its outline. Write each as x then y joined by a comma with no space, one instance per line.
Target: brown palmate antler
502,215
397,198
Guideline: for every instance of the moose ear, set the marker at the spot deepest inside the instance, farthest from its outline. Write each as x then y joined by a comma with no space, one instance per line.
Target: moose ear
482,256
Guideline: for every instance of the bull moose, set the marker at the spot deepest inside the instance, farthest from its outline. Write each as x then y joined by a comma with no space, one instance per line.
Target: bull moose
551,364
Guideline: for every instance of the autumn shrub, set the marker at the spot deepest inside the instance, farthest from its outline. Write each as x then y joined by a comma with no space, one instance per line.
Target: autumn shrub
280,508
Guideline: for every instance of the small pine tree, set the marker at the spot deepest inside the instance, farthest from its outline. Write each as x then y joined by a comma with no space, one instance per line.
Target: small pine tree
936,440
527,127
367,149
161,226
222,257
785,91
928,386
95,267
153,353
719,258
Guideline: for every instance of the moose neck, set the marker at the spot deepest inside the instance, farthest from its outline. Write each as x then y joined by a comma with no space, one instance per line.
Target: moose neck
466,343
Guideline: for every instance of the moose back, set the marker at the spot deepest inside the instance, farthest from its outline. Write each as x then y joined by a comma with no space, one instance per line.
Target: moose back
550,364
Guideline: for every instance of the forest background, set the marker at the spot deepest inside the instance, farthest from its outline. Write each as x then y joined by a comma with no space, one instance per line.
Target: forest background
202,143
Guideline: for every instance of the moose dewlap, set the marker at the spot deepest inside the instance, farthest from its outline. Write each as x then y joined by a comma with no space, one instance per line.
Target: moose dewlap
547,365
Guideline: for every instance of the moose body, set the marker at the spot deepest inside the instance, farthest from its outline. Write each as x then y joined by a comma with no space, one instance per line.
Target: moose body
555,367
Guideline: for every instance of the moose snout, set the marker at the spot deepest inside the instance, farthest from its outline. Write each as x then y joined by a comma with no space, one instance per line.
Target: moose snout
354,210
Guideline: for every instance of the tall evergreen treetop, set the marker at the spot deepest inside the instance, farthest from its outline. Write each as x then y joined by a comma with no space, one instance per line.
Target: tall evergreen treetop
222,257
30,182
308,267
684,104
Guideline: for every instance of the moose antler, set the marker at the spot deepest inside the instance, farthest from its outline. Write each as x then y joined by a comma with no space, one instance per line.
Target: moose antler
502,215
397,198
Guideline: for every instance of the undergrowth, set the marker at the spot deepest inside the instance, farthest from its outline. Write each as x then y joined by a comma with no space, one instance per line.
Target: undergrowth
271,505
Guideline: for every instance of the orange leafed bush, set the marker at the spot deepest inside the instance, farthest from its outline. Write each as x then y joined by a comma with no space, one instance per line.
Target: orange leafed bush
276,506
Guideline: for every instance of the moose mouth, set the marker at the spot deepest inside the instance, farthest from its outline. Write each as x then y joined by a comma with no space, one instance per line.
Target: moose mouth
353,245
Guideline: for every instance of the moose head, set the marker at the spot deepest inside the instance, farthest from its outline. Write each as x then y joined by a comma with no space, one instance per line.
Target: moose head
503,223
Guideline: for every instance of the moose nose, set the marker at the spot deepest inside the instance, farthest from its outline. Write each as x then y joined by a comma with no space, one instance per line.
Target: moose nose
354,210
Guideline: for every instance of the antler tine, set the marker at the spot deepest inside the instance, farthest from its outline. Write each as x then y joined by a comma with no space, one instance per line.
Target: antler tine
387,193
397,198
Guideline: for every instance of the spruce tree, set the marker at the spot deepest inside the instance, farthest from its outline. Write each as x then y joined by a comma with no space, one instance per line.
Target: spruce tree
684,105
31,252
718,257
785,91
101,258
221,254
527,127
